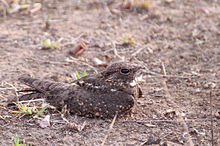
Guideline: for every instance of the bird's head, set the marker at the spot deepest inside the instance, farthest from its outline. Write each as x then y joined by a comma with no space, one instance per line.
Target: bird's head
121,72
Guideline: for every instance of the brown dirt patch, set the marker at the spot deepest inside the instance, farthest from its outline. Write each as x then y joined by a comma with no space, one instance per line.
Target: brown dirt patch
182,35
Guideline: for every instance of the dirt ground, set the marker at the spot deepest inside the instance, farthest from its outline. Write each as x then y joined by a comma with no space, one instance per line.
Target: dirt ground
179,38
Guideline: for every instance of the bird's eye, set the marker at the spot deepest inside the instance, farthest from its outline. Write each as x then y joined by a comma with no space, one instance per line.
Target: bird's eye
125,71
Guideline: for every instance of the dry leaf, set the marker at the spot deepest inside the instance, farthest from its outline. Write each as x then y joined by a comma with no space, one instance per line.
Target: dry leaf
150,125
99,62
75,126
79,49
45,122
36,7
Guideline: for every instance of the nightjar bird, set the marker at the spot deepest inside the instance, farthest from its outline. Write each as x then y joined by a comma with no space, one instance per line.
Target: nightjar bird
98,95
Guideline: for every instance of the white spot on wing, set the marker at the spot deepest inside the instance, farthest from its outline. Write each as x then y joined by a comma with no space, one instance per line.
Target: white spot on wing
113,90
74,84
133,83
97,114
96,87
81,82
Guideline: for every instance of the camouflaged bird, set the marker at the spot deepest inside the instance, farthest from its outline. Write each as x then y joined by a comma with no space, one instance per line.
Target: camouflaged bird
98,95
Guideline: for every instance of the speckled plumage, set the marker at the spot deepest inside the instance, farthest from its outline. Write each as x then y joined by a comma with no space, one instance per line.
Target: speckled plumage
97,95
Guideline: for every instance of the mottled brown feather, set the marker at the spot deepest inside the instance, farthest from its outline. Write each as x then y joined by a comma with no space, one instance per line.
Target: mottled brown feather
97,95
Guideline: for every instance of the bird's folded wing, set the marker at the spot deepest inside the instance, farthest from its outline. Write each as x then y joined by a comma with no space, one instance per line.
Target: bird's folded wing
39,85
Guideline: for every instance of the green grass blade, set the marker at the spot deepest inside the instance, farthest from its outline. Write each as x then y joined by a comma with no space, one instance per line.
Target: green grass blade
77,75
16,140
84,74
41,111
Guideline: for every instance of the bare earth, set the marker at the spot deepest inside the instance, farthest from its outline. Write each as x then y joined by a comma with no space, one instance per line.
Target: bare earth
181,37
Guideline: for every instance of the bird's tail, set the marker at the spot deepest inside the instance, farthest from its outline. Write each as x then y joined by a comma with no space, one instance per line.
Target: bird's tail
25,97
37,89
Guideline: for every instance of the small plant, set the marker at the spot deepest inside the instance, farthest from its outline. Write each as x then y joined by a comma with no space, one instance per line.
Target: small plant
145,4
41,111
16,142
27,110
48,44
78,76
17,5
82,75
47,23
137,4
128,39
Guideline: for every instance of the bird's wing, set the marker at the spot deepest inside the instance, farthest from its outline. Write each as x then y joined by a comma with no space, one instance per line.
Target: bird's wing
94,98
54,93
40,85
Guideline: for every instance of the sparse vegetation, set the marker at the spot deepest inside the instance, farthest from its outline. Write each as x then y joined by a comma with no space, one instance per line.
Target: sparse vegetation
15,6
26,109
48,44
41,111
128,39
78,76
17,142
177,39
136,4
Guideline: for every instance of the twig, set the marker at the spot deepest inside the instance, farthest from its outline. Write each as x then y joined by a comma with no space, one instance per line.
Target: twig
63,113
109,50
3,119
110,128
212,131
58,121
106,7
5,3
37,22
116,52
170,99
167,76
2,97
5,9
4,88
73,40
158,120
49,62
33,100
4,125
136,53
147,71
75,60
164,69
15,89
2,57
